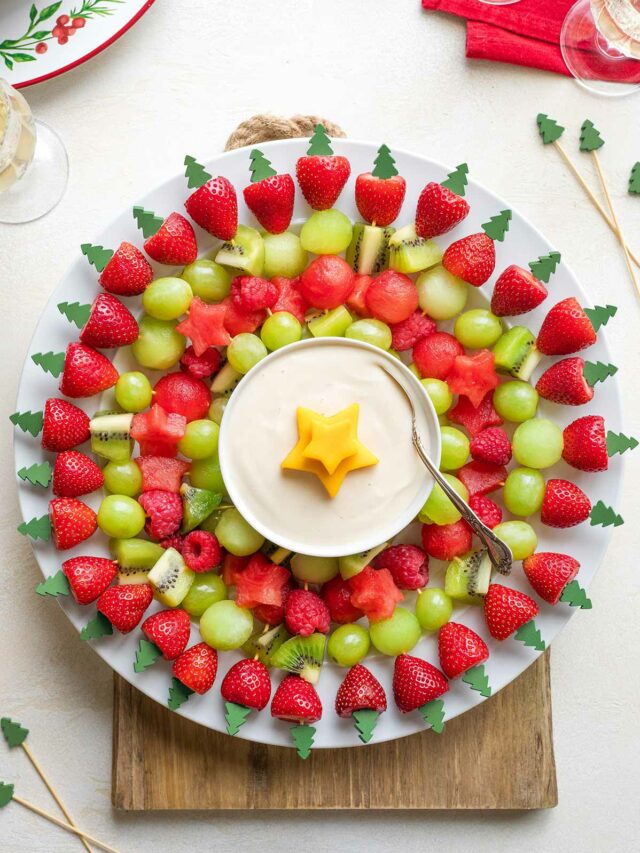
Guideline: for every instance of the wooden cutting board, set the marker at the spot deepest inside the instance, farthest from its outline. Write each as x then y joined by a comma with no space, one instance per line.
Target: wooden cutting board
497,756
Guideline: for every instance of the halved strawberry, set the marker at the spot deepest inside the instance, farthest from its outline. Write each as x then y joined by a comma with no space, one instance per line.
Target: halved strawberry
161,472
71,522
439,210
473,376
416,682
473,259
460,648
360,690
174,243
261,582
564,383
480,478
169,630
214,206
205,326
197,667
89,576
564,504
549,573
271,201
86,372
585,444
74,474
296,700
247,683
64,425
127,273
379,199
446,541
506,610
565,329
110,324
475,419
125,604
516,291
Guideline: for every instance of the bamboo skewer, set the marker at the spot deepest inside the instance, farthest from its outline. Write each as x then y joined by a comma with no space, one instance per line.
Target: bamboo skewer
61,823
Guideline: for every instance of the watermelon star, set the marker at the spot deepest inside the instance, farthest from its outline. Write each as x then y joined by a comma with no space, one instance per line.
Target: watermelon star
205,326
473,376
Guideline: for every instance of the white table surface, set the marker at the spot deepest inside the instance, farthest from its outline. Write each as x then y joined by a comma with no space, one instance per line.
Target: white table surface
180,81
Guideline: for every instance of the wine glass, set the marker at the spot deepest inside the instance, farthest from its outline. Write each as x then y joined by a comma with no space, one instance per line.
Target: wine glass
33,161
600,43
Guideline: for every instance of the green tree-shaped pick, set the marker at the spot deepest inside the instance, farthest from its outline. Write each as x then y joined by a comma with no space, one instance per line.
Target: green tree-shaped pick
618,442
54,585
529,634
598,372
178,694
545,266
605,516
303,739
457,180
97,627
433,715
50,362
195,173
147,654
498,225
38,474
320,143
6,794
75,312
147,221
30,422
36,528
365,722
634,180
590,139
477,679
236,716
260,167
549,129
14,733
97,256
600,315
384,164
575,596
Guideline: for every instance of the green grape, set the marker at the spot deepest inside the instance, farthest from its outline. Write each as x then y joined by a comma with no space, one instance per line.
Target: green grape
245,351
205,474
237,535
438,509
123,478
439,394
538,443
314,569
283,255
167,298
216,409
332,324
208,280
159,346
200,439
206,588
280,329
478,328
373,332
133,391
120,517
433,608
519,536
396,635
326,232
523,491
455,448
226,626
440,294
348,645
515,401
211,521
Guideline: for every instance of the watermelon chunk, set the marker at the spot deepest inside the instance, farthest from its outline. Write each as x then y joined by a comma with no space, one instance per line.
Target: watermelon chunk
374,592
446,541
161,472
475,419
261,582
289,297
480,478
356,299
231,568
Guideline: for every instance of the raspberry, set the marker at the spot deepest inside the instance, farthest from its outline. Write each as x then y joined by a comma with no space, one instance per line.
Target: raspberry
305,612
250,293
336,594
201,366
408,564
492,445
201,551
164,511
407,333
486,510
176,541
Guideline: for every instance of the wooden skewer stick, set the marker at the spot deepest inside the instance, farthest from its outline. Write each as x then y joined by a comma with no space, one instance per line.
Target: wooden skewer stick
95,841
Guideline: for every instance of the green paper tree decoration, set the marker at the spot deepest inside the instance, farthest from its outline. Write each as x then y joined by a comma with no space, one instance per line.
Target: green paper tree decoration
146,655
303,739
598,372
384,164
433,715
590,139
320,143
50,362
545,266
97,627
600,315
38,474
195,173
236,716
457,180
75,312
575,596
178,694
97,256
549,129
634,180
497,226
147,221
260,167
605,516
618,442
6,794
529,634
14,733
36,528
54,585
365,722
29,421
477,679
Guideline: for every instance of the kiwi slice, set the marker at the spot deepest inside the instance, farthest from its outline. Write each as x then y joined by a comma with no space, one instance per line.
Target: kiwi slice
368,253
110,436
302,656
467,578
225,381
409,253
171,578
332,324
245,252
134,555
266,645
516,353
275,553
133,576
197,504
355,563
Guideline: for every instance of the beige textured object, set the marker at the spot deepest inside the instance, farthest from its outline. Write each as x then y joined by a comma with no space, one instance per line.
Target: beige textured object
266,128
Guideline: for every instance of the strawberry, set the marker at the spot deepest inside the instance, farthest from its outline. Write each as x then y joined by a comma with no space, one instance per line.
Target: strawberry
247,683
506,610
271,202
379,199
564,383
473,376
549,573
174,243
487,511
197,667
289,297
564,504
74,474
296,700
473,259
446,541
71,522
491,445
64,425
110,324
89,576
516,291
169,630
322,178
127,273
86,372
473,419
205,326
164,512
439,210
585,444
214,206
125,604
460,648
416,682
480,478
565,329
360,690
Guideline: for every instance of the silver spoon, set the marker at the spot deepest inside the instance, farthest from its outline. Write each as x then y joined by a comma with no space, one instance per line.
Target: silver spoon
499,552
